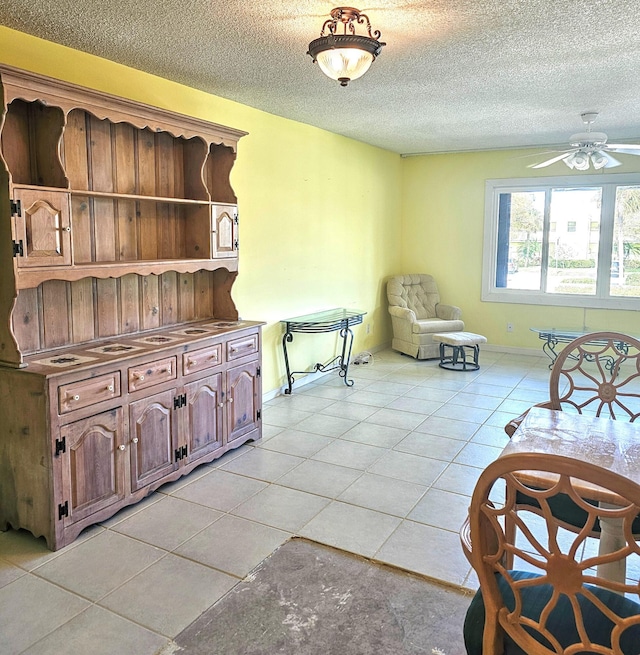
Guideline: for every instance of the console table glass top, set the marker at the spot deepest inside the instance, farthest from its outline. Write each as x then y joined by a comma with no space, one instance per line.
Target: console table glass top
330,320
553,336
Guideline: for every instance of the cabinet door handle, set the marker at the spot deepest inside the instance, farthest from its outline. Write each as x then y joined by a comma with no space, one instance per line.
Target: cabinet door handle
230,400
220,404
134,440
122,447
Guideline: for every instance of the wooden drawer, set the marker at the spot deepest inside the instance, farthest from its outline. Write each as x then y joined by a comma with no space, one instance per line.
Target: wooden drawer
204,358
238,348
151,373
88,392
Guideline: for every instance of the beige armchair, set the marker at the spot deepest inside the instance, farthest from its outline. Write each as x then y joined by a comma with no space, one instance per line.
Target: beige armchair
417,314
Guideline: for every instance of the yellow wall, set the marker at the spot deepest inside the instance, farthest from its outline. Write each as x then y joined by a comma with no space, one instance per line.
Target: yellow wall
443,202
319,213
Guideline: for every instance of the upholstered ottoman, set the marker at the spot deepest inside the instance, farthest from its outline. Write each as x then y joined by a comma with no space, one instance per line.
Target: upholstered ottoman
456,359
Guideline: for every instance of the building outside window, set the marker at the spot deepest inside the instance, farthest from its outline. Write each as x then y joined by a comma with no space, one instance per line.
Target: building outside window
572,241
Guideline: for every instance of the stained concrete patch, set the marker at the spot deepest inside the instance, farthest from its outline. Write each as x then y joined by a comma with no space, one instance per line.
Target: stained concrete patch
309,599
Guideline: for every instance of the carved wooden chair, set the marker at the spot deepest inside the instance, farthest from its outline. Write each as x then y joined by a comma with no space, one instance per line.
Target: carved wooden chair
551,601
597,374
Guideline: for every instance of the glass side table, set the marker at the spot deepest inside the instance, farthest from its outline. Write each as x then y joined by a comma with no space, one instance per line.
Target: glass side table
330,320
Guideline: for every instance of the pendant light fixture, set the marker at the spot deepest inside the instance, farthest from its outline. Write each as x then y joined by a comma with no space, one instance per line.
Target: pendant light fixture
345,56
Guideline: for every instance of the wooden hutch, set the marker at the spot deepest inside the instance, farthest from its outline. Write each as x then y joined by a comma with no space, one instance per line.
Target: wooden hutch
123,364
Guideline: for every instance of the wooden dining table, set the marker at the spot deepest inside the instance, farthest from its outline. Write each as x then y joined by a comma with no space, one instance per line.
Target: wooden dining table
608,443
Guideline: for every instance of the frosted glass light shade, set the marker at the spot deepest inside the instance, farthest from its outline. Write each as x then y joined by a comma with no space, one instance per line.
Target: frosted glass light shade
344,57
344,63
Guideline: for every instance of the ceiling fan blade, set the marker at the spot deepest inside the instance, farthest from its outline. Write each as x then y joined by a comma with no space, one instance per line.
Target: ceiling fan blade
627,149
612,162
553,160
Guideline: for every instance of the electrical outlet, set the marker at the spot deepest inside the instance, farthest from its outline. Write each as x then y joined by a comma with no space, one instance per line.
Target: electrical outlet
368,328
509,327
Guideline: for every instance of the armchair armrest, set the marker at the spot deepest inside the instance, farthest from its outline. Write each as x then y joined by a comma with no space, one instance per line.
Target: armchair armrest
403,313
514,423
448,312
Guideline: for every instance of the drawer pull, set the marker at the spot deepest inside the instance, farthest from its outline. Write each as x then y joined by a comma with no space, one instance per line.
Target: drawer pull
134,440
121,446
76,397
138,376
192,362
110,387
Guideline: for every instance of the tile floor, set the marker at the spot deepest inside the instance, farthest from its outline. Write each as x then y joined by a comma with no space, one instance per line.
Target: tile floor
384,469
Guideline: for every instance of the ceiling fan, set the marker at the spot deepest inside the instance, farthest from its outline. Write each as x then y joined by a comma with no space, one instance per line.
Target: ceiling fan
590,148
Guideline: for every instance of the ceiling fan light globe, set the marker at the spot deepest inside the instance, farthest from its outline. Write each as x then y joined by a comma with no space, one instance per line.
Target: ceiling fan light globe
580,161
599,160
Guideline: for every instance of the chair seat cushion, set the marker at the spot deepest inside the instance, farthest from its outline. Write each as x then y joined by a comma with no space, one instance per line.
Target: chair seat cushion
433,325
560,623
459,338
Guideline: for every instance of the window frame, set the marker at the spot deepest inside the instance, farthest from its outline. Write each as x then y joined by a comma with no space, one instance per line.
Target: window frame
601,299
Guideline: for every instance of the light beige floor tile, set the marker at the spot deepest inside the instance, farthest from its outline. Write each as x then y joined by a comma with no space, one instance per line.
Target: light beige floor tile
300,402
482,388
329,426
99,632
478,455
430,445
405,466
372,399
396,418
430,393
532,396
263,464
427,550
491,436
514,406
375,435
221,490
9,572
130,510
383,494
446,382
475,400
459,479
417,406
282,416
296,442
349,453
168,523
470,414
320,478
448,427
282,507
442,509
386,386
269,431
499,419
328,391
233,545
22,549
169,595
351,528
353,411
119,558
30,608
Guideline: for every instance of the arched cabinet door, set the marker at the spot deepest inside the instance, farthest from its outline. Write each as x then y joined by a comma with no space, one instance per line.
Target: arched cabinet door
92,465
243,400
224,228
204,414
42,228
153,439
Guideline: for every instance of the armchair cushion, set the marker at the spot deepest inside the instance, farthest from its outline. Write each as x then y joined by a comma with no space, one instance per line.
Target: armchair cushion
417,313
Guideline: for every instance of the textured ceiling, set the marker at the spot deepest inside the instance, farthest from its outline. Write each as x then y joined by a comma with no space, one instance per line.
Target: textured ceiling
454,75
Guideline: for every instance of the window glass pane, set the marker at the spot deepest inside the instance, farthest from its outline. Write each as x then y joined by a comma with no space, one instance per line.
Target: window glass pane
625,250
520,224
573,247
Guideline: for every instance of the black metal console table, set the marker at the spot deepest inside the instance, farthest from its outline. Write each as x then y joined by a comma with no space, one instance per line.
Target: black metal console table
327,321
553,336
